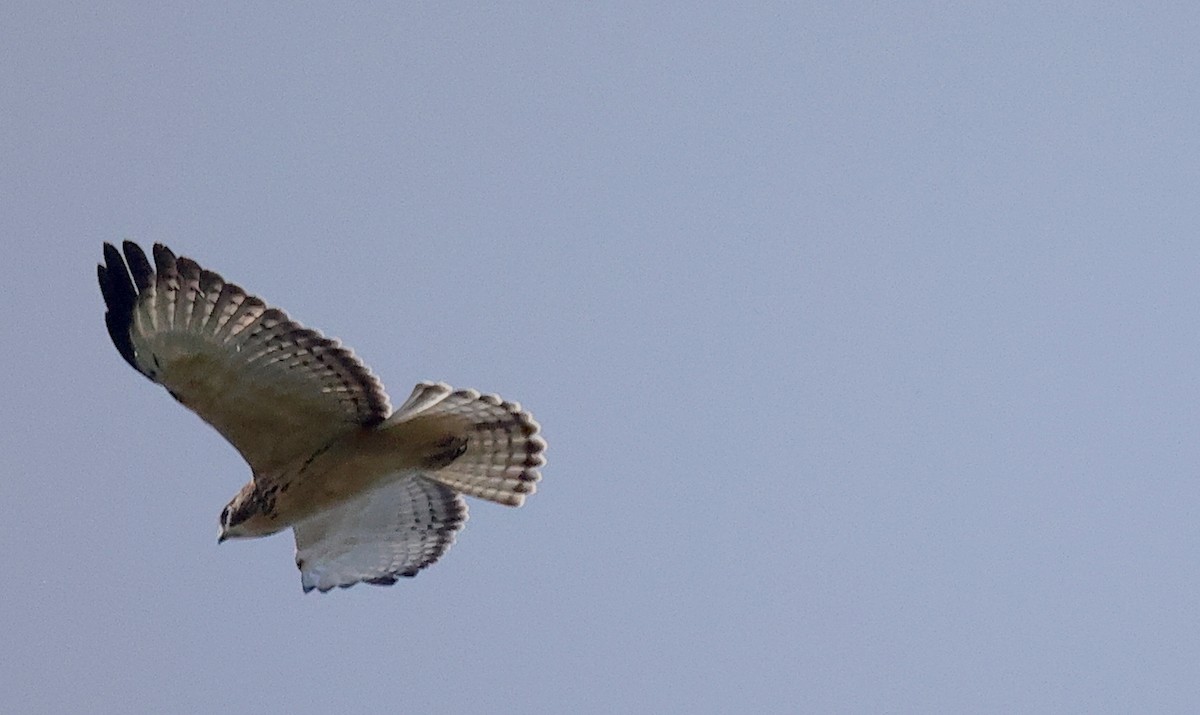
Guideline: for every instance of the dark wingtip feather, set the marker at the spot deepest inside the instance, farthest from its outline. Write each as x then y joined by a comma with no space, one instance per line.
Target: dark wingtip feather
139,266
120,296
164,259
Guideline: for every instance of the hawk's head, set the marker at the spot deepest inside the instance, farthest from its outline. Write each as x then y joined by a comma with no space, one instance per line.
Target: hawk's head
246,515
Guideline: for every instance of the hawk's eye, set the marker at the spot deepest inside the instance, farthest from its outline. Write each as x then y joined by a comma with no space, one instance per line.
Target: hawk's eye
225,516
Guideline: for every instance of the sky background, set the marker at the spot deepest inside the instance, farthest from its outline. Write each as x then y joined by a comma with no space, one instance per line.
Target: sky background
863,336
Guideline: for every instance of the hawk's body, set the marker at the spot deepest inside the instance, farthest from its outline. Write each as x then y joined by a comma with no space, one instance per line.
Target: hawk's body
371,495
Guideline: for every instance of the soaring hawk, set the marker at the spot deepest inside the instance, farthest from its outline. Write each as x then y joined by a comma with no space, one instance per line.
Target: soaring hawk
371,494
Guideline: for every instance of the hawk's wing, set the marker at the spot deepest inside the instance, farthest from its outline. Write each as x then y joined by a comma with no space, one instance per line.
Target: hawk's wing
274,389
392,531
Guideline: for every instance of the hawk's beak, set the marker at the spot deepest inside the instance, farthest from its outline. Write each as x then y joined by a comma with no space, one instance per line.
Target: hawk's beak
221,537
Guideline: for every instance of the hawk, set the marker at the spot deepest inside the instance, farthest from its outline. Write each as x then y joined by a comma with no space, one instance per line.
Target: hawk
370,494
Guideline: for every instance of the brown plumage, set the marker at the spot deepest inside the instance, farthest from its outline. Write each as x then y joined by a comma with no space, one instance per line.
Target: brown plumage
370,494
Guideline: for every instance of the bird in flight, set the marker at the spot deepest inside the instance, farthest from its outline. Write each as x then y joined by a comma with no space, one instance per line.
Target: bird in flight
370,494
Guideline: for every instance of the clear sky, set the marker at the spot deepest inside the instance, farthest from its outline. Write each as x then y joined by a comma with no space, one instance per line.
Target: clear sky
864,340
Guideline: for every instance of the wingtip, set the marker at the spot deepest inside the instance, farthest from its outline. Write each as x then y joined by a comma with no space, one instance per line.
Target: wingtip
139,265
164,258
120,297
111,254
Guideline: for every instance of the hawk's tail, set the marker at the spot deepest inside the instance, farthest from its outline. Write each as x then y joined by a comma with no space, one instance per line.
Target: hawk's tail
488,448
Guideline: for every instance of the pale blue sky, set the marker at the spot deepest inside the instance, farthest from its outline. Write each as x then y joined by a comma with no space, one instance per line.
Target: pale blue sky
863,338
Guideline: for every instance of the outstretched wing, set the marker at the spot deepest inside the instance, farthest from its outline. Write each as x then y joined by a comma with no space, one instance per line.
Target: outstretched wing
276,390
378,536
